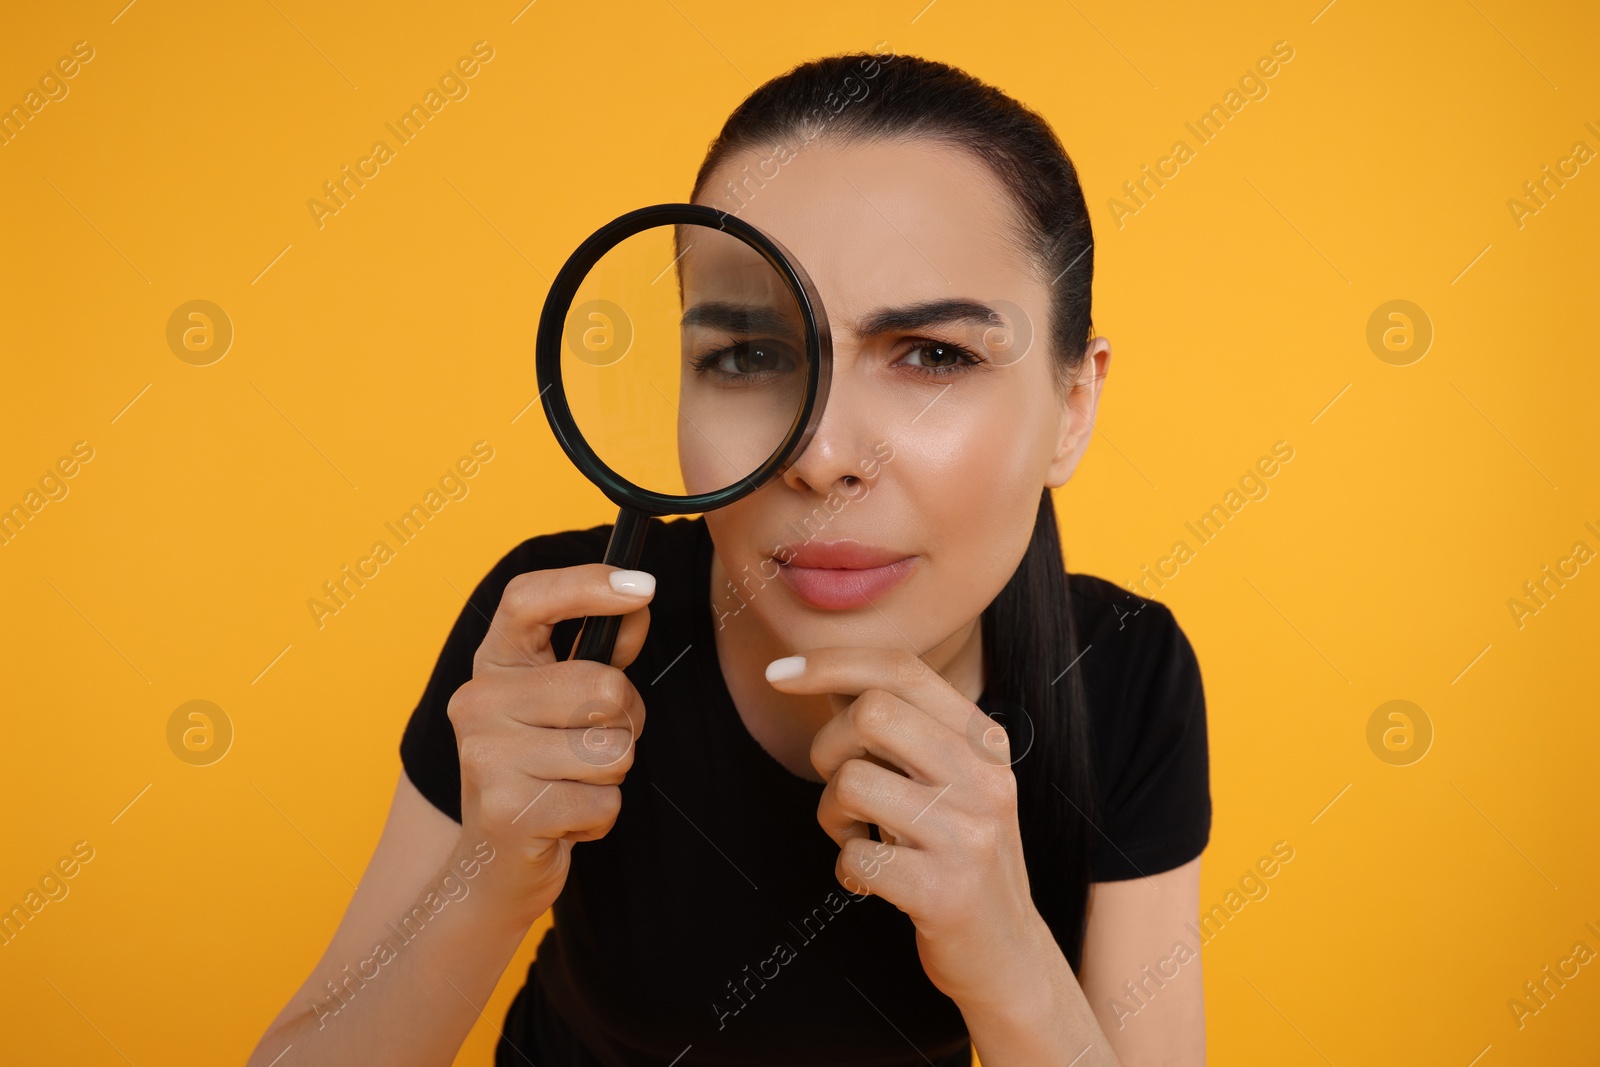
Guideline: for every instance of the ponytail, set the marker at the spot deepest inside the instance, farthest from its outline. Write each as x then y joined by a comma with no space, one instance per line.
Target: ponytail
1035,690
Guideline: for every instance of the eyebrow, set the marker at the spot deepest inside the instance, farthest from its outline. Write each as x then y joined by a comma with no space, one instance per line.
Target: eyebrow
744,318
930,313
736,318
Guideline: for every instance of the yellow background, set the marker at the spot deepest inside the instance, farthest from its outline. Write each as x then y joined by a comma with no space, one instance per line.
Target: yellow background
372,352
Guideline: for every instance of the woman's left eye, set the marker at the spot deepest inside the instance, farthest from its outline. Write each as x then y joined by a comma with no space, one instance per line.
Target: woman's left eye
940,357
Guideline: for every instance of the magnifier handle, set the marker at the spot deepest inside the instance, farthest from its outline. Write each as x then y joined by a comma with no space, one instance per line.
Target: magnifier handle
597,636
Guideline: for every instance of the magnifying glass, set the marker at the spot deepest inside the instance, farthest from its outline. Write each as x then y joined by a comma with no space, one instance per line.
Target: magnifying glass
683,359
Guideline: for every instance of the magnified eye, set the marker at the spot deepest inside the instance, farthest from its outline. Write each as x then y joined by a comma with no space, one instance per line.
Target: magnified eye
747,360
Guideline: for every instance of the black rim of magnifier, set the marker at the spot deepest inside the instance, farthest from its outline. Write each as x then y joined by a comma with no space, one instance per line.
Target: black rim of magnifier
552,324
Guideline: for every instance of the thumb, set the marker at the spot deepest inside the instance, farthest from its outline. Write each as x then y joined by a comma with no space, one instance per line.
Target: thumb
630,637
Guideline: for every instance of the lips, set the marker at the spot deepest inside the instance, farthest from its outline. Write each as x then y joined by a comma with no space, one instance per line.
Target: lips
839,575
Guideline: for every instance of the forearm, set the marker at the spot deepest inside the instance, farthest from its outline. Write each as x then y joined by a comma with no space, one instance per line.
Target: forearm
411,998
1045,1021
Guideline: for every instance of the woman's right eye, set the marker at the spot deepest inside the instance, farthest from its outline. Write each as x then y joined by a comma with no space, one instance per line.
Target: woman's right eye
746,359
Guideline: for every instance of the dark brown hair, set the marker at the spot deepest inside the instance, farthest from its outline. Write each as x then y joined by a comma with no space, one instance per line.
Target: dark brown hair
1035,686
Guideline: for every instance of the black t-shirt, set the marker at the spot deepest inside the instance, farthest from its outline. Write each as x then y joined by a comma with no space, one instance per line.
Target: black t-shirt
708,926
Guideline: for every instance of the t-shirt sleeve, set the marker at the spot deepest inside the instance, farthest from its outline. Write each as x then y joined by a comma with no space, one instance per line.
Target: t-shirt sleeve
428,749
1156,793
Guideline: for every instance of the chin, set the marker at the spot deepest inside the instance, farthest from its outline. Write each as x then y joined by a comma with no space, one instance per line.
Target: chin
801,628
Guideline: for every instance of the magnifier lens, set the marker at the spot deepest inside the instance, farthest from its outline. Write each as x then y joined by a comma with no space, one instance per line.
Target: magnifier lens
683,359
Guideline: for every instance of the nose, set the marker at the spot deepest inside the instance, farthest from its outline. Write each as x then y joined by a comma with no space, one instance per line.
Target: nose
839,451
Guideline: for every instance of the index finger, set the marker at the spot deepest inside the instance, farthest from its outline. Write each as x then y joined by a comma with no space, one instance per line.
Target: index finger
852,671
533,602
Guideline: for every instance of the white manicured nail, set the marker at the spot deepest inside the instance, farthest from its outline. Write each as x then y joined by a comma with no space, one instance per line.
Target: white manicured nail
787,667
638,583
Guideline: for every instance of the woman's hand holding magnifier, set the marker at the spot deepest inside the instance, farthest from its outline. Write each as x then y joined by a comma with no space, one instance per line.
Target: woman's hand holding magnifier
544,744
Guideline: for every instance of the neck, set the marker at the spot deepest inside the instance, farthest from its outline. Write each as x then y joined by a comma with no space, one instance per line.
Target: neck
745,645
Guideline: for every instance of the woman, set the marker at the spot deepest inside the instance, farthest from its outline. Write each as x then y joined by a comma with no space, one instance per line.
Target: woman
1007,764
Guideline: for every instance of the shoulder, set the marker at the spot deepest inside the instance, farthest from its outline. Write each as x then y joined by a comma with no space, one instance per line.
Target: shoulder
1138,638
1147,713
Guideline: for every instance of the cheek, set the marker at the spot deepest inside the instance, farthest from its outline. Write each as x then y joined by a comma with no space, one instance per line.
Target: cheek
737,528
723,438
710,464
976,495
974,464
703,470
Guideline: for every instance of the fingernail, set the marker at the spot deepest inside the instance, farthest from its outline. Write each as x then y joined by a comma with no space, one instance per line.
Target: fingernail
636,583
787,667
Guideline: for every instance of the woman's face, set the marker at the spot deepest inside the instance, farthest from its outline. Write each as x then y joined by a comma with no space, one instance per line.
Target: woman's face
920,457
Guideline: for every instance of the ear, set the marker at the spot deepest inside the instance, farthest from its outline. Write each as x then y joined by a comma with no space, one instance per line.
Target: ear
1078,410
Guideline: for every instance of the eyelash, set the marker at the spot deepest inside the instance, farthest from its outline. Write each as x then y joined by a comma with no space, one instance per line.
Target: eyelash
968,358
705,364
